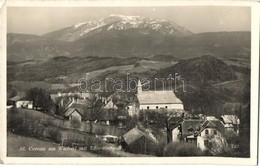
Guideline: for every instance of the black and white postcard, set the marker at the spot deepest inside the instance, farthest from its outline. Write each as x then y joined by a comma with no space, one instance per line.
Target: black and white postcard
134,82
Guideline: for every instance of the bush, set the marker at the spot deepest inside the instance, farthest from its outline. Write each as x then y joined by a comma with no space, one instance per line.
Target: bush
182,149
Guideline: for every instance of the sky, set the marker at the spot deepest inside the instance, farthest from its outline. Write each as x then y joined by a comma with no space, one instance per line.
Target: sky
41,20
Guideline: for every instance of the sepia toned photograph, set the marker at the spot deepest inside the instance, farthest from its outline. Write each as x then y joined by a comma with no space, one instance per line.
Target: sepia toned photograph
129,81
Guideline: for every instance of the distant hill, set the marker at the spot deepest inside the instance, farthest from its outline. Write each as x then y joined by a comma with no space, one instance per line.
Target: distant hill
200,70
130,44
164,58
218,44
22,47
58,66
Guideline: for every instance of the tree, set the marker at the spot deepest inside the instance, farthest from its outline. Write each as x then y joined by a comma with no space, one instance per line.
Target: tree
132,122
40,98
244,127
223,146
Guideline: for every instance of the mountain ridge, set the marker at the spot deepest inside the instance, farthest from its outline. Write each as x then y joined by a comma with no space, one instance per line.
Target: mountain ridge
117,37
115,22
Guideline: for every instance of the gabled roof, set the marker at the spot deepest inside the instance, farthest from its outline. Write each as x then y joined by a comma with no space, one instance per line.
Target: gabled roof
110,105
78,105
154,97
85,102
134,134
190,126
75,107
174,122
230,119
217,124
17,98
69,111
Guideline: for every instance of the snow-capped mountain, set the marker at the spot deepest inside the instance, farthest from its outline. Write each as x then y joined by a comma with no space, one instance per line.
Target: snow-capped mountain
126,36
115,22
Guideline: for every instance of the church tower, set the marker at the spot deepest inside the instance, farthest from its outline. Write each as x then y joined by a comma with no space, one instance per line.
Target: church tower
139,87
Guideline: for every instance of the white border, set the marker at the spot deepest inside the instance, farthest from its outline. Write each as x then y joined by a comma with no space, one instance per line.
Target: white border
137,160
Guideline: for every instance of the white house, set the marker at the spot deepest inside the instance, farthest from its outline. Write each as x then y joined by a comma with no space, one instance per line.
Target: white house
205,134
146,100
211,132
21,102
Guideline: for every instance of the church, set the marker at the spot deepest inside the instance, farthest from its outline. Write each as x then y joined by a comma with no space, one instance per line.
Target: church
152,100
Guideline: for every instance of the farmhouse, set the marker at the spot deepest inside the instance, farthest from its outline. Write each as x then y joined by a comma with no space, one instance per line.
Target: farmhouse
145,100
20,102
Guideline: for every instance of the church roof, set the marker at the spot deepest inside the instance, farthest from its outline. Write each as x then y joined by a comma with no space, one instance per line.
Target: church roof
161,97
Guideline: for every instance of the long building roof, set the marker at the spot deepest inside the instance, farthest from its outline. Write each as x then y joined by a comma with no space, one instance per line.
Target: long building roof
158,97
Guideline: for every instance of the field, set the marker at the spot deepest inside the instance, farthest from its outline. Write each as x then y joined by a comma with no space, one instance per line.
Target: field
15,142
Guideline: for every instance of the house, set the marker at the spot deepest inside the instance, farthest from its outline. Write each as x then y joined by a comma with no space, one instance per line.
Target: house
21,102
201,132
75,95
173,128
75,112
189,128
210,132
65,100
231,122
145,100
130,109
136,141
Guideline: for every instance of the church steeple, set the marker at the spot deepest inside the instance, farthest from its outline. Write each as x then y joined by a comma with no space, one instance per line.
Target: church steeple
139,87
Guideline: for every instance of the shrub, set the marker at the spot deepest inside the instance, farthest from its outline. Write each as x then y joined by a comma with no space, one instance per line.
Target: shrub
182,149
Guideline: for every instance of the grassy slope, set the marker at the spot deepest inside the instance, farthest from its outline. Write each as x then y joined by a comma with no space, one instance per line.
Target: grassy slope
14,142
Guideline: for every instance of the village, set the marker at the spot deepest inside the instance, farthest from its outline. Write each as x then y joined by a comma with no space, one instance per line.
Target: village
150,122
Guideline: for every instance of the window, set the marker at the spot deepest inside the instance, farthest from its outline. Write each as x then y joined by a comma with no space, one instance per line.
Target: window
206,131
215,132
206,143
156,107
148,107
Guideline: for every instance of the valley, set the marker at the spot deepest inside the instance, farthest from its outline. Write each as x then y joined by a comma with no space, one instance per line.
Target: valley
197,78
